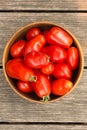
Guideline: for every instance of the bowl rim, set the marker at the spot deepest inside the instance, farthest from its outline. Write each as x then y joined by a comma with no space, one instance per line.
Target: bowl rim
21,30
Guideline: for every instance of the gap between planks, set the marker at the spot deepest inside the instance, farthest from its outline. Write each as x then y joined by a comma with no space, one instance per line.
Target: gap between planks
43,123
44,11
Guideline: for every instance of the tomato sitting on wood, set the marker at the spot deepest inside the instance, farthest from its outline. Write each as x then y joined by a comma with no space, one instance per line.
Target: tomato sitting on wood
24,86
61,86
58,36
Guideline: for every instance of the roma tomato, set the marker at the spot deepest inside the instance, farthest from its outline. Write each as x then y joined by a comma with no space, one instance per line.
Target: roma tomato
73,57
36,59
48,69
42,87
58,36
15,68
35,44
62,70
33,32
24,86
56,53
17,48
61,86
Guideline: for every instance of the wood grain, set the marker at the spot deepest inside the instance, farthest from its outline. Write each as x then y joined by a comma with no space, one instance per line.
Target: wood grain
43,5
43,127
73,108
75,22
69,113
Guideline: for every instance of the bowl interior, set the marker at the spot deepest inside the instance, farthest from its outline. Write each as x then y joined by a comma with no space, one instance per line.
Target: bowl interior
21,34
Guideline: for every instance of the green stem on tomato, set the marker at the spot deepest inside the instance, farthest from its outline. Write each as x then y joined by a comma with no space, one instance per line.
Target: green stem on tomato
46,98
33,79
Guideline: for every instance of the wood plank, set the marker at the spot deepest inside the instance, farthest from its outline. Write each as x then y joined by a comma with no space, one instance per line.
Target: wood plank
75,22
43,127
43,5
73,108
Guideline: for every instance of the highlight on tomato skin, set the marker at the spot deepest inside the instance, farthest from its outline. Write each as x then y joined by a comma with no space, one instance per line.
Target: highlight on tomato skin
24,86
35,44
73,57
16,69
33,32
17,48
62,70
48,69
42,87
56,53
61,86
36,60
57,35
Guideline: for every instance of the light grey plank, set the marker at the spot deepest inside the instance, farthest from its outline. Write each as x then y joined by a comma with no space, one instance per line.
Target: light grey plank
73,108
43,5
75,22
43,127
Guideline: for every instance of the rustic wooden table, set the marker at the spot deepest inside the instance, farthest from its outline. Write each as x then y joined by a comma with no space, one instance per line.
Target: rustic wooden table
69,113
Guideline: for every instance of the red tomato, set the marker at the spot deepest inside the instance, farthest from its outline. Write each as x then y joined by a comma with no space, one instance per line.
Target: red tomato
48,69
56,53
15,68
62,70
16,49
33,32
73,57
57,35
36,59
61,86
35,44
42,87
24,86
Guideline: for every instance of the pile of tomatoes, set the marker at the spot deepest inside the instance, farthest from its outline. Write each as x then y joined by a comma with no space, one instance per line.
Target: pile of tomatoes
43,62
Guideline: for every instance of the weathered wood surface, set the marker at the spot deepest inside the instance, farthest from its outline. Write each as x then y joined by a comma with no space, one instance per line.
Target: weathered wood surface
75,22
43,127
73,108
69,113
43,5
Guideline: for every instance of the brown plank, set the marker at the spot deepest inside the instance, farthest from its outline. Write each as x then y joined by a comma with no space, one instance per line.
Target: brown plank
43,127
75,22
73,108
43,5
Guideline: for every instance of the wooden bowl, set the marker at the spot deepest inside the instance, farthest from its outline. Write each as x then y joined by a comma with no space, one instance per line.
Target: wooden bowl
20,34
